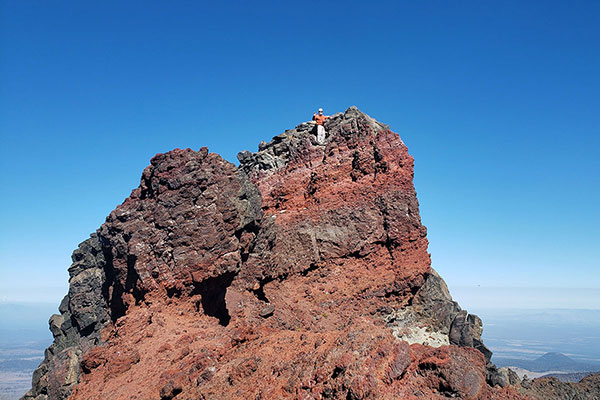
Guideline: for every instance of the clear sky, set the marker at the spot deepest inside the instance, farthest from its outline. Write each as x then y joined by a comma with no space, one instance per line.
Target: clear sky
499,103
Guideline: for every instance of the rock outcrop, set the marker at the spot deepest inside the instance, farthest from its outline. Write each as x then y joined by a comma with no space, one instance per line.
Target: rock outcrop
302,273
587,388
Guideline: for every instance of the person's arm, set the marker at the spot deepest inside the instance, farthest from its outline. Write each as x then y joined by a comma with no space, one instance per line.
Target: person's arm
314,116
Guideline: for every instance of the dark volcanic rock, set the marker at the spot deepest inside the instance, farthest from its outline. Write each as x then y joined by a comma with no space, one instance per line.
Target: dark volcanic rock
302,273
183,232
466,330
552,388
84,314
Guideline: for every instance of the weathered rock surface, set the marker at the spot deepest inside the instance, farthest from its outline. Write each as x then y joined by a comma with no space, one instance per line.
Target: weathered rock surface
552,388
302,273
83,315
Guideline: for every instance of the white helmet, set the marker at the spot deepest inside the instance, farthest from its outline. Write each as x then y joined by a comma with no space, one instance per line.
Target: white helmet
320,109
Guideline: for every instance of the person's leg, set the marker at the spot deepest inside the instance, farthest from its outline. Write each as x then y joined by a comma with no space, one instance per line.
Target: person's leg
320,134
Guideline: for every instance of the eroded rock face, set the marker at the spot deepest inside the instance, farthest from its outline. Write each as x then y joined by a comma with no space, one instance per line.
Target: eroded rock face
77,329
183,232
587,388
302,273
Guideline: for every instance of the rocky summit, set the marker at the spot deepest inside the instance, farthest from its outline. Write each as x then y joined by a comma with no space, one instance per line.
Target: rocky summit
301,274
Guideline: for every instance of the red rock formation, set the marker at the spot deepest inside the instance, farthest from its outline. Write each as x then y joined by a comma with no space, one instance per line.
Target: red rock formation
588,388
302,274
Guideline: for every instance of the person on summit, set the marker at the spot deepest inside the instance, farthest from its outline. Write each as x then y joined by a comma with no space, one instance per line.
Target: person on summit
320,120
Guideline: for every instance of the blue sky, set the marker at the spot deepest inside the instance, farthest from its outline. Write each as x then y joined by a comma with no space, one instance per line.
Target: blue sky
499,102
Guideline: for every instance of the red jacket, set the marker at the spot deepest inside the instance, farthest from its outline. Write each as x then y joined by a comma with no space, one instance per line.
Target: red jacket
320,118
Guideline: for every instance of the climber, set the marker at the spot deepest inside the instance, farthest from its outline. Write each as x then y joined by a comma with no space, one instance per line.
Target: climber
320,119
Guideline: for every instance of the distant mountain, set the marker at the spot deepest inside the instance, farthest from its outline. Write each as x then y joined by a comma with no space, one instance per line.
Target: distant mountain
548,362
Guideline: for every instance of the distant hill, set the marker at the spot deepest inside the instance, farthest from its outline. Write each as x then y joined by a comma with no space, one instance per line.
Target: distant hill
548,362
